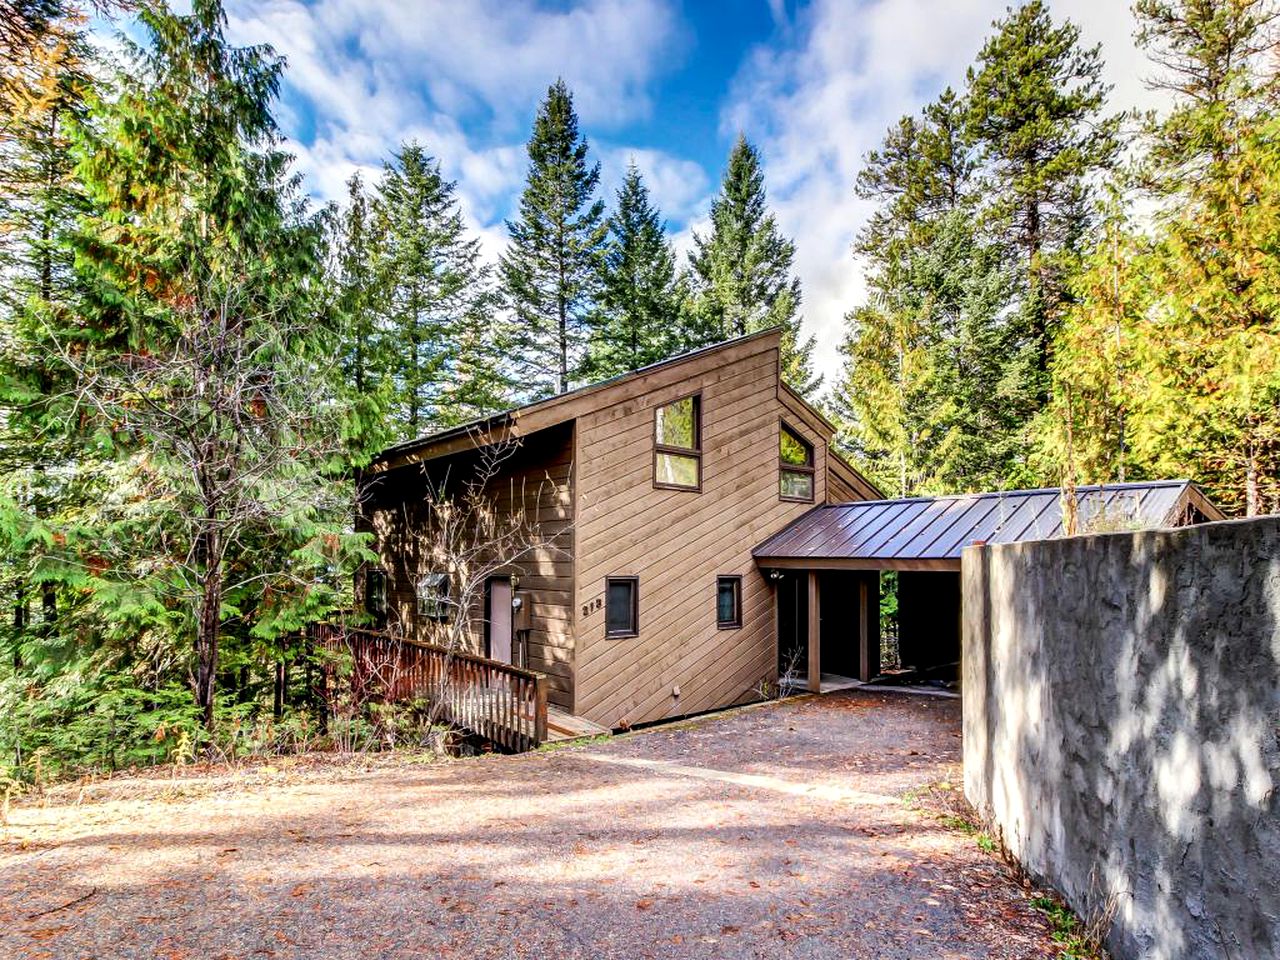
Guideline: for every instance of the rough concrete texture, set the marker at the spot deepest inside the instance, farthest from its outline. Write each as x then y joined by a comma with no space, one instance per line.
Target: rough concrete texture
804,829
1121,717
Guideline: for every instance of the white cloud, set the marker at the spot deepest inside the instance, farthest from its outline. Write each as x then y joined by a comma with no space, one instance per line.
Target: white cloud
818,103
464,79
678,187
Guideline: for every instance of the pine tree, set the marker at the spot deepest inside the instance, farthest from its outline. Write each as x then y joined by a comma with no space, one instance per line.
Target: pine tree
1036,101
924,170
742,270
354,283
641,319
551,270
201,357
1086,433
433,294
928,401
43,83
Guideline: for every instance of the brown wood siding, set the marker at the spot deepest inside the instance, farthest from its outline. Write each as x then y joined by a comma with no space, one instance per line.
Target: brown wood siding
844,484
677,542
539,478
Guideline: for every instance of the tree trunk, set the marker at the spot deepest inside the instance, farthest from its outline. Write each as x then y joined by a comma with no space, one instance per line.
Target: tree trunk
207,629
564,348
19,622
1252,489
282,677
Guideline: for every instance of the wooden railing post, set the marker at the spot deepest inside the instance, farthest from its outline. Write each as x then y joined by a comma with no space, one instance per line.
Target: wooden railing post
539,709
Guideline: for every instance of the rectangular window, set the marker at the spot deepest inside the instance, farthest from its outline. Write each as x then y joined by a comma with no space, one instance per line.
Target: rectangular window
434,601
375,593
728,602
795,466
622,606
677,444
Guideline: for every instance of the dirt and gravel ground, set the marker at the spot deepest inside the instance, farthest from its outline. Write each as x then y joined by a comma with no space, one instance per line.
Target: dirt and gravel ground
803,829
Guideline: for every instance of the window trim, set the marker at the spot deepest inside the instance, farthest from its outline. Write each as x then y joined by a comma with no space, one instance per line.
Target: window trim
635,608
695,452
736,622
811,468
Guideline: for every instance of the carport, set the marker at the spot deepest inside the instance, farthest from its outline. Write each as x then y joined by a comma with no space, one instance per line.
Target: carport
828,564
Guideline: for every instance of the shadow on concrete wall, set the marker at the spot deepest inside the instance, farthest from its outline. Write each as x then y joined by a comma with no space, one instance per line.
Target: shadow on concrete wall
1122,728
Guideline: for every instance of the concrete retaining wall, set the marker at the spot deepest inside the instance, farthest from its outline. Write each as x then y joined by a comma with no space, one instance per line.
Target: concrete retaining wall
1122,728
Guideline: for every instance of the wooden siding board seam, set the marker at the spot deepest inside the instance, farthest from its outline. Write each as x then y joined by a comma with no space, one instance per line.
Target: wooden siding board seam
703,661
628,534
674,622
639,550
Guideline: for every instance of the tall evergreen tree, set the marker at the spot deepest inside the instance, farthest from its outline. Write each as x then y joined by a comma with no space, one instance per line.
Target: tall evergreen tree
200,358
640,318
742,269
924,170
434,295
355,284
1188,305
551,270
928,400
43,85
1036,109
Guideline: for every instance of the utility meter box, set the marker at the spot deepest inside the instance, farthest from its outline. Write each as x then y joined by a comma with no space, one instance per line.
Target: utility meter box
521,616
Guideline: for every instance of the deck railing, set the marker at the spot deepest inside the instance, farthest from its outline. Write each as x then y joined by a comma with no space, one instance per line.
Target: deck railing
498,701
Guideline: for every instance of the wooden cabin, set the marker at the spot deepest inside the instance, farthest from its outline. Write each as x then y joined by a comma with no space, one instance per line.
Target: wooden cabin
639,598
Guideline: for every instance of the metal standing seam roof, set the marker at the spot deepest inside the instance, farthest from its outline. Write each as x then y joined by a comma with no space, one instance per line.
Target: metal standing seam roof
939,528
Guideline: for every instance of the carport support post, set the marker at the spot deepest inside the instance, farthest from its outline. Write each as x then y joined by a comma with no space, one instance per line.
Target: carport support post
815,634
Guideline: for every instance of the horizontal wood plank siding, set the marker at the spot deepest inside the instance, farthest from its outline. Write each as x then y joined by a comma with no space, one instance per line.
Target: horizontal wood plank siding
844,484
677,542
537,478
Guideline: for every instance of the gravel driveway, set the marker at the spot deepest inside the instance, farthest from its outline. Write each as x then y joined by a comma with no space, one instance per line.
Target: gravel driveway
786,830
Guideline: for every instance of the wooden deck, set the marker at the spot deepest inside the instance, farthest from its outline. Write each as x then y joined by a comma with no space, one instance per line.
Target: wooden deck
498,701
565,726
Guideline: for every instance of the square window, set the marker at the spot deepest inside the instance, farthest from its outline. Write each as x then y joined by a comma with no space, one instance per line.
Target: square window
728,602
622,607
434,601
676,470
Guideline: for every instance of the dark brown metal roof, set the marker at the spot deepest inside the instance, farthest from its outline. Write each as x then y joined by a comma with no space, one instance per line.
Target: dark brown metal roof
930,532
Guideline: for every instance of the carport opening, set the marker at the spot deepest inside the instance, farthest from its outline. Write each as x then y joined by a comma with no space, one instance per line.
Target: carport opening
928,624
918,614
848,635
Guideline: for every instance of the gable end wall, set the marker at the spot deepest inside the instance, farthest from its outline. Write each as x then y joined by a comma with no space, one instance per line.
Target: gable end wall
677,542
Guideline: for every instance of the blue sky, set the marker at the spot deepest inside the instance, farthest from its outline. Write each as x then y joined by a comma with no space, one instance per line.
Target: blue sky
666,82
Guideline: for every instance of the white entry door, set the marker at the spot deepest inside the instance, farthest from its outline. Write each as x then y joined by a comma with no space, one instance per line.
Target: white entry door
500,619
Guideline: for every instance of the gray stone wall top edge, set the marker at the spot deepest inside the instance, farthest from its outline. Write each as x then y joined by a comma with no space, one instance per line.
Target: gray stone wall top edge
1209,529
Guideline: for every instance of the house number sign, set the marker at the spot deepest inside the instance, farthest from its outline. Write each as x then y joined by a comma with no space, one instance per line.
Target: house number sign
592,605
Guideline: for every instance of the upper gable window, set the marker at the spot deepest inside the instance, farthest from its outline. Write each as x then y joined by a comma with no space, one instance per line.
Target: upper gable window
795,466
677,444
